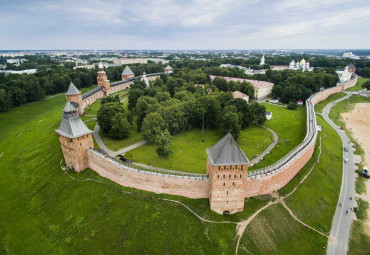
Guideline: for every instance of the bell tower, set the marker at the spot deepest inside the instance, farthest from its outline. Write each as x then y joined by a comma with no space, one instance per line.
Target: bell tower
227,168
75,138
73,96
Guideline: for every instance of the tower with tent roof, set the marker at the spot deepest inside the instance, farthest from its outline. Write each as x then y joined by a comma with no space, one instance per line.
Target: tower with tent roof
75,138
227,168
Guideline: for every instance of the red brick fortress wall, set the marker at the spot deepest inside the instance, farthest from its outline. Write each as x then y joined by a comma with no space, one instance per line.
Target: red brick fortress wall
187,186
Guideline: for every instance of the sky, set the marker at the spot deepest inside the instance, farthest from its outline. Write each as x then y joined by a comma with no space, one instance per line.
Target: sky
180,24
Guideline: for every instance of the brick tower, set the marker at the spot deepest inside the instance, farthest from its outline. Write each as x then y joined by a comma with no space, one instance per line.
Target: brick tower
73,96
102,79
227,168
351,68
75,138
127,73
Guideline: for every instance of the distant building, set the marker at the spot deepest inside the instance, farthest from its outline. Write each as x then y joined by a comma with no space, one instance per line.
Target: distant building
268,115
344,75
350,55
300,102
301,65
262,89
247,70
26,71
238,94
127,61
168,70
279,67
262,62
351,68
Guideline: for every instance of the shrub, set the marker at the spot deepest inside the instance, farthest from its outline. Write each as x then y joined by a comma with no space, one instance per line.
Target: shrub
292,106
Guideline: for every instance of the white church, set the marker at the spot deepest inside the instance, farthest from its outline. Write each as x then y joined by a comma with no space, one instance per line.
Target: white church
301,65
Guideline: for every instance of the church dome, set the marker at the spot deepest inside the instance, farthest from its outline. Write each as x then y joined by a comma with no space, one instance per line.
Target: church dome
302,62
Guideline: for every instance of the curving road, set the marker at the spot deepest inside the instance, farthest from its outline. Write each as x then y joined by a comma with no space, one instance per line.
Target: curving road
340,229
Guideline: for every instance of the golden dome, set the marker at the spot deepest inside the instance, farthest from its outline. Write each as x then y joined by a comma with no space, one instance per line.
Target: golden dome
302,62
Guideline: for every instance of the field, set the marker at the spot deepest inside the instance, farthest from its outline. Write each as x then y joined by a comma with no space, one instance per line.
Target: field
190,148
290,126
358,85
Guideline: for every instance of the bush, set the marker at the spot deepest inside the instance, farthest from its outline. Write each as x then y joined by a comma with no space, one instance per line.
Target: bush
366,85
164,145
292,106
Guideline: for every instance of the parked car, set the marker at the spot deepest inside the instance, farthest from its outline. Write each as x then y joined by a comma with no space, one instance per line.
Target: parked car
345,149
341,128
345,159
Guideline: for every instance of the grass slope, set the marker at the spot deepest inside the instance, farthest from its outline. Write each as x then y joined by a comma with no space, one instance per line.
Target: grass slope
274,231
320,106
189,148
315,201
358,85
43,211
290,126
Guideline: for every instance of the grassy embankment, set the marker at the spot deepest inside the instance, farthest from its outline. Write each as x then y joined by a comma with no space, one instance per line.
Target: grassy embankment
274,231
44,211
358,85
359,241
320,106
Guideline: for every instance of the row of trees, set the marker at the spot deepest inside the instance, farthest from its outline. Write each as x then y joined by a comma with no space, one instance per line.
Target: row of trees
16,90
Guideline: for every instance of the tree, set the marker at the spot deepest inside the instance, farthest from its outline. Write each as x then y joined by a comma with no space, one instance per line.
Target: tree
258,113
207,111
134,95
162,96
230,121
221,84
164,145
292,106
110,99
5,101
105,115
120,127
247,88
153,125
144,105
366,85
244,111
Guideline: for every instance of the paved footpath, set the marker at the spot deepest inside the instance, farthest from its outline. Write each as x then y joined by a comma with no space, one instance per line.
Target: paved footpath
268,149
111,153
340,230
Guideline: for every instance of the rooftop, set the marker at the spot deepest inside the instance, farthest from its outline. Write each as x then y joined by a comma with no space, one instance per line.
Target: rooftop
127,71
256,84
71,125
72,90
226,152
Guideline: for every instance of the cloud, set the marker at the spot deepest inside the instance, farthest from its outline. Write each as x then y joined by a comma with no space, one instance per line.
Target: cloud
183,24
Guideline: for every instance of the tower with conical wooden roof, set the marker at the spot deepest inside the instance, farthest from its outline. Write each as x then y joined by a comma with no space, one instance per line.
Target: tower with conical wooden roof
75,138
127,73
227,168
73,96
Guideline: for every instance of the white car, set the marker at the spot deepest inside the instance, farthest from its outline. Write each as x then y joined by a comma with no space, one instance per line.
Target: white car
345,159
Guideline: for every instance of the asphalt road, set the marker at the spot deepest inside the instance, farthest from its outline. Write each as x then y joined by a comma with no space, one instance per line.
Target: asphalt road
340,230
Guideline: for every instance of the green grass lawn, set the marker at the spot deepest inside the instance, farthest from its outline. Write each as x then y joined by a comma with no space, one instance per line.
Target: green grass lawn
315,201
115,144
358,85
359,242
189,148
290,126
43,211
320,106
274,231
